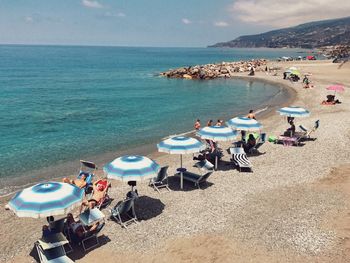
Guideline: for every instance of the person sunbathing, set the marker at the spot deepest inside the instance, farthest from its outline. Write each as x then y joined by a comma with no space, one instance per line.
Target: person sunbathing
330,100
251,142
98,193
80,182
75,226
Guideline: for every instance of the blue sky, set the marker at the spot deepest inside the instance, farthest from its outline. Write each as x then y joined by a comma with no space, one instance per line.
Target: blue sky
188,23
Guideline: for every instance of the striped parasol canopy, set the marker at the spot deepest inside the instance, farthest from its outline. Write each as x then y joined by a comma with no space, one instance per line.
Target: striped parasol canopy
294,111
46,199
244,124
180,145
217,133
131,168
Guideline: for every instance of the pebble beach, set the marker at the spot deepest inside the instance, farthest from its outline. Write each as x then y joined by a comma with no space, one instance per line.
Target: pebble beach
293,207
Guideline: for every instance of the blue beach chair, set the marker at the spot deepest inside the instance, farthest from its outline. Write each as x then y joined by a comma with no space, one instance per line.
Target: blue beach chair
87,169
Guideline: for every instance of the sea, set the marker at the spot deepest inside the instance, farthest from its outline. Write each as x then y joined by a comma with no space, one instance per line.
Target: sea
60,104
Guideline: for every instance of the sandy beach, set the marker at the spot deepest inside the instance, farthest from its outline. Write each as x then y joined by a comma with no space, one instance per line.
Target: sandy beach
294,207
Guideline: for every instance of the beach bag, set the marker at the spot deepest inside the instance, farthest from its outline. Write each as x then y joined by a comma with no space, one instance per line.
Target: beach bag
272,138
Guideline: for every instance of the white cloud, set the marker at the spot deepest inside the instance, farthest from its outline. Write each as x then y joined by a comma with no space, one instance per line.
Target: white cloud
221,24
283,13
91,4
186,21
29,19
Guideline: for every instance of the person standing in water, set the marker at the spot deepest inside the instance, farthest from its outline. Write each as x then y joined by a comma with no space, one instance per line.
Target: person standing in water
197,124
251,115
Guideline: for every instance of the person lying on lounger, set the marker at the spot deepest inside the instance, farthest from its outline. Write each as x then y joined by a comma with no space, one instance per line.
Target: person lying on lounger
98,193
251,142
76,227
330,100
80,182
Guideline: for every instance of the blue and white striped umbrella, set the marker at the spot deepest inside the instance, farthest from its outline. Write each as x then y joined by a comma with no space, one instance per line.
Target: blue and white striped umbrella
131,168
294,111
46,199
180,145
217,133
244,124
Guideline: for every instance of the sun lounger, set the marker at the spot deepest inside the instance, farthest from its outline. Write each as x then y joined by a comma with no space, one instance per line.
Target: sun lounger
195,178
161,181
255,148
106,200
88,169
240,159
92,235
89,218
306,132
204,166
57,227
124,209
51,249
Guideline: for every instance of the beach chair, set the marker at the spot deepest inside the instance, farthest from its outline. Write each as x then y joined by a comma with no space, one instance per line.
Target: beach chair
58,226
51,249
88,169
92,235
124,210
195,178
240,159
306,132
106,200
204,166
255,148
161,181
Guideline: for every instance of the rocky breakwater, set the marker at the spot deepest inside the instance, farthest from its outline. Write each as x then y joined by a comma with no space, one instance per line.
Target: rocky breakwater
217,70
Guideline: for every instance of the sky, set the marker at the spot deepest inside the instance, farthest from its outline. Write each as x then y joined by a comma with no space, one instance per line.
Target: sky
158,23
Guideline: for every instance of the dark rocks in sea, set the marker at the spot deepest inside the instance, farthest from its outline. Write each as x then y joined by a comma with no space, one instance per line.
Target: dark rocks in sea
217,70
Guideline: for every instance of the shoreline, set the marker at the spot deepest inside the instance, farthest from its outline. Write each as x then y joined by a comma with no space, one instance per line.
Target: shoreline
292,208
285,96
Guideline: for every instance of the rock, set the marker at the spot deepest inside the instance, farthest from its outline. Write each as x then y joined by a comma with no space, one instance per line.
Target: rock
186,76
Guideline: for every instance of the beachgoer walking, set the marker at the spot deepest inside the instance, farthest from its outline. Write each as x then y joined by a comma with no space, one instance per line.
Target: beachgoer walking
251,115
210,123
197,124
306,82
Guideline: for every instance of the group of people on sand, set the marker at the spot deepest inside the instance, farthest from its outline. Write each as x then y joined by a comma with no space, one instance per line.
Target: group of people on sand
247,144
76,229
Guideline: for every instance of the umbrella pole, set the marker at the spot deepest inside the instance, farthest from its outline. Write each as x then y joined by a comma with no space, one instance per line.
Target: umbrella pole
181,173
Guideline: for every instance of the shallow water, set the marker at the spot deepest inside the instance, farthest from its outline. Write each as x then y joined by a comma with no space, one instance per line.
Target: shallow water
63,103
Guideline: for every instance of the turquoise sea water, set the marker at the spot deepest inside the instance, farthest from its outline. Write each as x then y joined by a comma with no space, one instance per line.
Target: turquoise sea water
61,103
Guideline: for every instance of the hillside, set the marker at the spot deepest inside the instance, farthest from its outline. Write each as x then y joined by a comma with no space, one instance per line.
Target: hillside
308,35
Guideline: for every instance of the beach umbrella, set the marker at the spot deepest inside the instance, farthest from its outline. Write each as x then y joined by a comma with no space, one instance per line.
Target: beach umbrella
244,124
217,134
336,88
180,145
131,168
46,199
293,111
